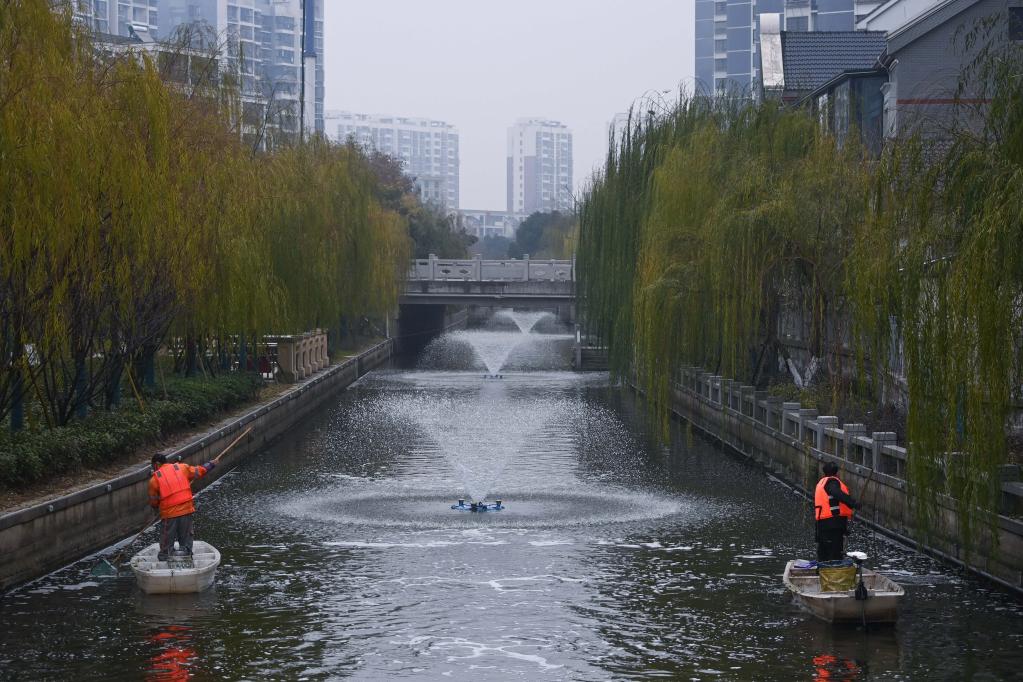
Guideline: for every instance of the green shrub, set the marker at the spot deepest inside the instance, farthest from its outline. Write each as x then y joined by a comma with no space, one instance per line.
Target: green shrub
103,437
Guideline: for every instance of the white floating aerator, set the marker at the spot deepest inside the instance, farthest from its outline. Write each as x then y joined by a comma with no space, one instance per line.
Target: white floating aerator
478,506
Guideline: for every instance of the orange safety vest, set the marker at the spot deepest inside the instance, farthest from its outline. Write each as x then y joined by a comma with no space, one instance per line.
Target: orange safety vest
824,506
175,487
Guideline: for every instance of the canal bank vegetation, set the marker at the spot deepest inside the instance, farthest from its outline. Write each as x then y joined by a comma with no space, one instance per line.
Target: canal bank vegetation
431,228
138,222
718,226
545,235
105,436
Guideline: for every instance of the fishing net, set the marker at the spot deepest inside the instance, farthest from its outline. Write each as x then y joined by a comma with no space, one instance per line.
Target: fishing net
104,569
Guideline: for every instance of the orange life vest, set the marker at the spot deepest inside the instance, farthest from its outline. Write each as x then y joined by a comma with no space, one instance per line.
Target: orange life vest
175,487
824,506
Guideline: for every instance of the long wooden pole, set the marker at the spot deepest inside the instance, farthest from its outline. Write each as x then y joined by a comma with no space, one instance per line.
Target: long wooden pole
233,443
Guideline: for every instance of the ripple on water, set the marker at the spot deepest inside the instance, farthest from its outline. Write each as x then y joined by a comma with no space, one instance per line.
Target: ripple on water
523,509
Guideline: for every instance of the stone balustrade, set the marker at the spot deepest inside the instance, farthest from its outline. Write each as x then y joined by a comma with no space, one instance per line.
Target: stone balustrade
821,435
301,355
479,270
791,441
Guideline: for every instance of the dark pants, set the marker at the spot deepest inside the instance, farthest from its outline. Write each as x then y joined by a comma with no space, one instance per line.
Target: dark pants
830,543
178,528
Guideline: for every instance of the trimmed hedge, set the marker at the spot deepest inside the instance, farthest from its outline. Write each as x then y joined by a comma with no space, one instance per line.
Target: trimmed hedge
103,437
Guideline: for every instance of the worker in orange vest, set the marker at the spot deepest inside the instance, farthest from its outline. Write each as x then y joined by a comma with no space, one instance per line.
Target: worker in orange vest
833,507
170,491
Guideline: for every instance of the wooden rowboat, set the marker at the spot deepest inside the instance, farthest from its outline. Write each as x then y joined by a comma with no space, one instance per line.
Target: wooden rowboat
881,605
179,575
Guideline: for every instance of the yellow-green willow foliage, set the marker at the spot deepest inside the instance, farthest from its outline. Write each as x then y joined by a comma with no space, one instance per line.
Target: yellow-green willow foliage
709,221
940,261
129,209
742,209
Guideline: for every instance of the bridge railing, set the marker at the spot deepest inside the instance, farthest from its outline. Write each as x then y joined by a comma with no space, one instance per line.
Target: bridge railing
479,270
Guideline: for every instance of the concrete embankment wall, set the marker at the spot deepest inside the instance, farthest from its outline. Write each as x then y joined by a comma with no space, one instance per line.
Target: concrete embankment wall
793,442
39,539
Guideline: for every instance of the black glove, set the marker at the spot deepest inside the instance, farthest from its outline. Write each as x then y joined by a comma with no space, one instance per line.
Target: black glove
209,465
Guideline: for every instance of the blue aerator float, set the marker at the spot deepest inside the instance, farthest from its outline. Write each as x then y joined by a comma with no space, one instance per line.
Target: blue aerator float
478,506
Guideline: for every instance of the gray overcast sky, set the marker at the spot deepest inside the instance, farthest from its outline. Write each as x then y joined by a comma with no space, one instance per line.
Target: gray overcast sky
480,64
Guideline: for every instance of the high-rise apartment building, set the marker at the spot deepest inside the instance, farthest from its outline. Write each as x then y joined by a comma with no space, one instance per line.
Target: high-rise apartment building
728,34
275,46
539,167
428,149
116,16
274,51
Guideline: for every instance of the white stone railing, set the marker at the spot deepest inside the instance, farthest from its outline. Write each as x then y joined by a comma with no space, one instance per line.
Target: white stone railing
790,421
301,355
479,270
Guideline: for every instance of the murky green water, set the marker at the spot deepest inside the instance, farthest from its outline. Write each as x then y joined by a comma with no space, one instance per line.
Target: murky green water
615,558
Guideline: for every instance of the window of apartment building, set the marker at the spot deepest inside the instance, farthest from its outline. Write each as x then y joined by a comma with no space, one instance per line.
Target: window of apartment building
720,8
721,65
1016,23
284,23
797,24
721,45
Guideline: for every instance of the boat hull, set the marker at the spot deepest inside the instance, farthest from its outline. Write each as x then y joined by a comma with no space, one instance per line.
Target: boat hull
160,577
881,606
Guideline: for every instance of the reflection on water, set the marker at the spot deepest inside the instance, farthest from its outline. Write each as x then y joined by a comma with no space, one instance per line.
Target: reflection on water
615,558
174,654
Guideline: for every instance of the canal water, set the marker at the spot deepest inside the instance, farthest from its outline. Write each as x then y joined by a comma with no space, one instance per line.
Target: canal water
615,557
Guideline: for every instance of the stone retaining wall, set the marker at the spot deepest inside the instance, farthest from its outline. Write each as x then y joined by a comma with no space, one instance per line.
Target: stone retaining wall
39,539
793,442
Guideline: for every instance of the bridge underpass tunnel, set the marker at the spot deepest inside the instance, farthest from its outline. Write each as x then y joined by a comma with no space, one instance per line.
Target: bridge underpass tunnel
419,323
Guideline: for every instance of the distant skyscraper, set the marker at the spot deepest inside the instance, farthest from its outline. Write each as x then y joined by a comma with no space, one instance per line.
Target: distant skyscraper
539,167
428,149
271,43
267,40
728,34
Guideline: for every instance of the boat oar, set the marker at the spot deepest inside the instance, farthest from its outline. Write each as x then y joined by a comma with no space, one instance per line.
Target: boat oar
108,567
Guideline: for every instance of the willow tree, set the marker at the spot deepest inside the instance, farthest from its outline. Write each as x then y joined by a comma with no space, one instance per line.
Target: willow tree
735,212
130,209
710,220
937,273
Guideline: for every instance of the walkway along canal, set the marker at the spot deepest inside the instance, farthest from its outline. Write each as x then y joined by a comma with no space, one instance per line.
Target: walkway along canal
615,557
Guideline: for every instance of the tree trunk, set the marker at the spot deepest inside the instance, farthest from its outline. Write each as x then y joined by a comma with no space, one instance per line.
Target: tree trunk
81,400
243,354
113,388
191,356
146,366
17,413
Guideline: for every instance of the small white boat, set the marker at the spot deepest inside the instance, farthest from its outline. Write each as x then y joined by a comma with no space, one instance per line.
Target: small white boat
881,605
178,575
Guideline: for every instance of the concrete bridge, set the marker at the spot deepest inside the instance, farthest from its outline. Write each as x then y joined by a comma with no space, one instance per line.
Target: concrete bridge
442,293
502,283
